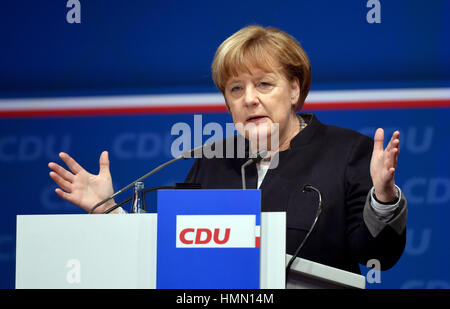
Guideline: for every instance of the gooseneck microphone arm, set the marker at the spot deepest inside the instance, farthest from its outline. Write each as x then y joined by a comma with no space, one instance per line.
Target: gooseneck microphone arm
250,161
185,155
132,184
259,156
306,188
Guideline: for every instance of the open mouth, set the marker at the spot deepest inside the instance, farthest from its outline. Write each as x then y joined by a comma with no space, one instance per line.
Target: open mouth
256,118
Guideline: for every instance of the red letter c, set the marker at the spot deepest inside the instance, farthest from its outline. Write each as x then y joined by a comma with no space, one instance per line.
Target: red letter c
183,236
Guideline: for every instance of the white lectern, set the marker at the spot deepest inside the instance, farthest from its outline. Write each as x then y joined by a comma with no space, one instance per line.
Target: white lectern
119,251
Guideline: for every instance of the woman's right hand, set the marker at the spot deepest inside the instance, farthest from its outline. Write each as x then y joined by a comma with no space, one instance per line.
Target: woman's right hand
81,187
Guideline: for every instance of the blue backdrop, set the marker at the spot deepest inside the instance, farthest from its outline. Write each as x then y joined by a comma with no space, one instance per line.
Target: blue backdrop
166,47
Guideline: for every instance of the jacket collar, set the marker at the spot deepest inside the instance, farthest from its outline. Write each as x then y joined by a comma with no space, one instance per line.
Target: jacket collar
305,136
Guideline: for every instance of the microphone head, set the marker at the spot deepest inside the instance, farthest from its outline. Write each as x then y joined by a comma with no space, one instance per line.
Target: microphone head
260,155
307,188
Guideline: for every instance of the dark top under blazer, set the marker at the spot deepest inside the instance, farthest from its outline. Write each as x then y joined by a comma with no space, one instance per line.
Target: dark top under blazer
337,162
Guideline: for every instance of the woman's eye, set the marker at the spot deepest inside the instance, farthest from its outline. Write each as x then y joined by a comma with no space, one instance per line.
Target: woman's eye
235,88
265,84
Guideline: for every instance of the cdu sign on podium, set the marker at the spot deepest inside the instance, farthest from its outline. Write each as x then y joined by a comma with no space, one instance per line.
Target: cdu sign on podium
208,239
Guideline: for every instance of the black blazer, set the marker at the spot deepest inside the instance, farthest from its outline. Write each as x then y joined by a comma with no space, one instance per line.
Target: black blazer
337,162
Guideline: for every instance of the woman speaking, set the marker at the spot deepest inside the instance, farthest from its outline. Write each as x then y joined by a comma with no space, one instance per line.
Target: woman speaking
265,76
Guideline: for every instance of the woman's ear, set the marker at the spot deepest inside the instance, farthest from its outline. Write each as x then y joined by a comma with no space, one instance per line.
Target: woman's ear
295,91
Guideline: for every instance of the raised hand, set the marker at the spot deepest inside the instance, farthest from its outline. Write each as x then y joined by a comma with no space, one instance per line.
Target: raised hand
81,187
383,166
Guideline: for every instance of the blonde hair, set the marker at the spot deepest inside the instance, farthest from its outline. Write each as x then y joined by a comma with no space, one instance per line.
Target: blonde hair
268,49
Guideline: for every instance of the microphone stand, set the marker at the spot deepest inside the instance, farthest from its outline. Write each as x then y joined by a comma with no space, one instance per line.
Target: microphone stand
306,188
259,156
185,155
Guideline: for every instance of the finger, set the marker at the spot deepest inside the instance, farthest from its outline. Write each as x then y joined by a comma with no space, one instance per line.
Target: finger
65,185
104,163
64,195
397,134
378,140
71,163
392,172
392,142
58,169
391,160
395,157
395,146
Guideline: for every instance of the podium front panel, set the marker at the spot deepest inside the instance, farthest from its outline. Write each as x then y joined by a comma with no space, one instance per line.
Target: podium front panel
208,239
86,251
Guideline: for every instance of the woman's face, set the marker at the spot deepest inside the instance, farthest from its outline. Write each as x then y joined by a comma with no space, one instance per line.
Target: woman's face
259,101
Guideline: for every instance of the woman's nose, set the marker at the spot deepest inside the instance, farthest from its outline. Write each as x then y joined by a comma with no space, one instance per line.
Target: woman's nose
251,96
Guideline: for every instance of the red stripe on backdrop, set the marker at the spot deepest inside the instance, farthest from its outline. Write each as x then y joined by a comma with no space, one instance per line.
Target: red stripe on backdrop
214,108
112,111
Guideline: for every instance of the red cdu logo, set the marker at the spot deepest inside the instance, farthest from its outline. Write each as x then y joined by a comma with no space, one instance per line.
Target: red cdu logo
201,236
217,231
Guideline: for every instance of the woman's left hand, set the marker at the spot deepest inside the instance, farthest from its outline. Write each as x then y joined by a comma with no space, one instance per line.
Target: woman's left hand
383,165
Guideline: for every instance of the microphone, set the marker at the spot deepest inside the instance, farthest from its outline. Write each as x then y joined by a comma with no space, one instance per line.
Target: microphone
185,155
259,156
306,188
